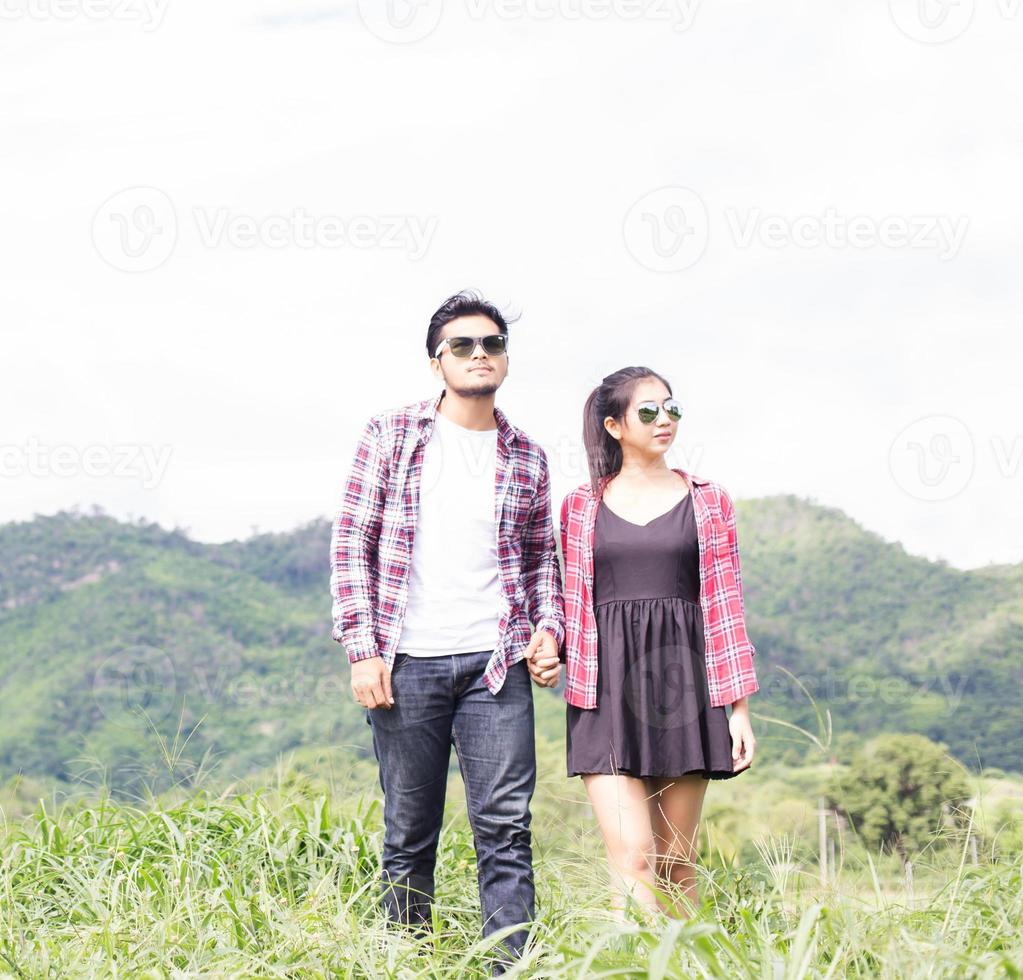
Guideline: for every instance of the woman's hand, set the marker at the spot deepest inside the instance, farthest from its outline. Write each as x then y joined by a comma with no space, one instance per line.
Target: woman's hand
743,742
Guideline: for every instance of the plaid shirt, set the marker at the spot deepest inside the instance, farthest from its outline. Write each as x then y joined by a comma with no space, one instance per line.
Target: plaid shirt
729,652
371,542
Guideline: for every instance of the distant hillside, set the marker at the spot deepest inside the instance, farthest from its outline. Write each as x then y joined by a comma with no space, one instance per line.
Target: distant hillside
886,640
229,645
96,614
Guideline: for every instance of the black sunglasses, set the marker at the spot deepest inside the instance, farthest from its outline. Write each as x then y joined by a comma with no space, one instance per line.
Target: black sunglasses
492,343
648,411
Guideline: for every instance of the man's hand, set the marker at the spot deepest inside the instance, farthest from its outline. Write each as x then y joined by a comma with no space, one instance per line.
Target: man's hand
371,683
542,659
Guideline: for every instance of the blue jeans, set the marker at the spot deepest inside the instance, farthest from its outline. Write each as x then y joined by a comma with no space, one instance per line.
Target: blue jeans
440,701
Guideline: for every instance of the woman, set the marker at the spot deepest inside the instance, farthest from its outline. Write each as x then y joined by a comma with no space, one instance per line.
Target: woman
655,642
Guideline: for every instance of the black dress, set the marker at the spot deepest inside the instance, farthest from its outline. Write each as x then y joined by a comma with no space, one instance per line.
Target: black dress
653,714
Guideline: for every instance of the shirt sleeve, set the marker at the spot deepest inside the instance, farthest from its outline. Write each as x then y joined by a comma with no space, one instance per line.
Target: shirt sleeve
354,539
540,562
728,513
562,650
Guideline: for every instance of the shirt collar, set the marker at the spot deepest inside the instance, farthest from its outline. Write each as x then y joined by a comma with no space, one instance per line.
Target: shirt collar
427,414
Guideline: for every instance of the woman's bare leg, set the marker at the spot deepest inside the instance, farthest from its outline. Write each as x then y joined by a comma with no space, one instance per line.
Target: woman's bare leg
623,815
675,810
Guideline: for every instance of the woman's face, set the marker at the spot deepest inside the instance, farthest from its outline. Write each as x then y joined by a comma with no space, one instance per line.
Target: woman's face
650,439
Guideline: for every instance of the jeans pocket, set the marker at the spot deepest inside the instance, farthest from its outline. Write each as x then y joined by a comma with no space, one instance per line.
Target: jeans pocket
400,659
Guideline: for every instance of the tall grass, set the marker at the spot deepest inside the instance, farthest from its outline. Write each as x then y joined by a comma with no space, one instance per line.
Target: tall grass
280,880
278,877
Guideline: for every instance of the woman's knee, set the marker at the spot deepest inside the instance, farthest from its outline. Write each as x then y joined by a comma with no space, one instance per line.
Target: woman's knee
634,854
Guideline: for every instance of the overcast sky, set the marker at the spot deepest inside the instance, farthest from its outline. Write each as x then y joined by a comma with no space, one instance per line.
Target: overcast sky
224,226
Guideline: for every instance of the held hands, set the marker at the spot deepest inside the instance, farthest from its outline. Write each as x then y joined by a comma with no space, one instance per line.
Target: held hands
743,742
371,683
542,659
371,678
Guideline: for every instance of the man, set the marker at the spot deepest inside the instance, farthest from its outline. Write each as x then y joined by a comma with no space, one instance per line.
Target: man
443,539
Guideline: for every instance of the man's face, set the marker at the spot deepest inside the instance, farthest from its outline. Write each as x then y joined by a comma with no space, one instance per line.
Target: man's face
479,374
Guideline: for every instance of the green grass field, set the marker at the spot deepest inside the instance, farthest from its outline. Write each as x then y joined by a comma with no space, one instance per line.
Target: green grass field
277,877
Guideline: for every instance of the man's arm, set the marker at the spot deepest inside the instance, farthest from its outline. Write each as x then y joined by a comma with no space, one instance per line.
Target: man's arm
540,562
354,538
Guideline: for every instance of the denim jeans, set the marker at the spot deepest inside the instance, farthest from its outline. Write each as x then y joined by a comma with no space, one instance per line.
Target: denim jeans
440,701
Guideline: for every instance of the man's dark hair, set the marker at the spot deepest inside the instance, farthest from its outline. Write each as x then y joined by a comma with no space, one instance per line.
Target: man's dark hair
466,303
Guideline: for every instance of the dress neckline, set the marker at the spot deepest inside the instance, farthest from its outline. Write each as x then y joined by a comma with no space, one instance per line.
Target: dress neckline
651,521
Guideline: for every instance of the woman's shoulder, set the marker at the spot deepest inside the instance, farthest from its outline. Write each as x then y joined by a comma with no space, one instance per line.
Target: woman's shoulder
578,497
711,487
715,494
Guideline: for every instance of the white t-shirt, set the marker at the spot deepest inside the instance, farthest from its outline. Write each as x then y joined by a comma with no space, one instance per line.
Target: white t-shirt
454,596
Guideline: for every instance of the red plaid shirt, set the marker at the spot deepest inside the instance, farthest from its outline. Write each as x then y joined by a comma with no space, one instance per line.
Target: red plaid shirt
729,652
371,543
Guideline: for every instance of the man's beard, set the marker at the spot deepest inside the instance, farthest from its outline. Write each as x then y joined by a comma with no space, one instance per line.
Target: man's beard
481,392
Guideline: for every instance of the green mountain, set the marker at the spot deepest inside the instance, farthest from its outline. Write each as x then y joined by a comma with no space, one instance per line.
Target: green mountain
887,641
135,656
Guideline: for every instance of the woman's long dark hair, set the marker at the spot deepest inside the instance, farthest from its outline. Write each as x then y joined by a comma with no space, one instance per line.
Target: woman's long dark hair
610,397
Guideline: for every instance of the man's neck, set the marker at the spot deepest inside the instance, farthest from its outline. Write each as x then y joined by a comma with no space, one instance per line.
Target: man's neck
469,413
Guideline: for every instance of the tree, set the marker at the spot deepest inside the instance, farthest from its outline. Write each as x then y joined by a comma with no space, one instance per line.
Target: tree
899,790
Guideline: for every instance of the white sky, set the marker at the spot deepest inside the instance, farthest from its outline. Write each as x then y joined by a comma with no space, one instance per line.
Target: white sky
514,140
